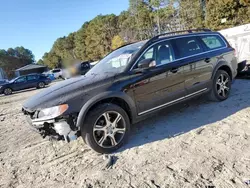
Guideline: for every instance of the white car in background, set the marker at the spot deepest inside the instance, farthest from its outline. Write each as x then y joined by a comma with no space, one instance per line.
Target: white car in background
58,73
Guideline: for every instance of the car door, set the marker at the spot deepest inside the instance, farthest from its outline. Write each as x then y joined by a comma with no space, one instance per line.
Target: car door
20,83
197,64
32,81
161,85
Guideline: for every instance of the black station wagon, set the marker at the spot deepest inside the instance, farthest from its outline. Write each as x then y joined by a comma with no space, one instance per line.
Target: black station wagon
131,83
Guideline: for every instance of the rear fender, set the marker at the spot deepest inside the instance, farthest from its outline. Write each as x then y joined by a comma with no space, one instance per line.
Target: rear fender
219,65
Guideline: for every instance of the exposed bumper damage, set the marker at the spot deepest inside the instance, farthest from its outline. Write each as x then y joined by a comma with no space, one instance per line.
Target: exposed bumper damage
63,128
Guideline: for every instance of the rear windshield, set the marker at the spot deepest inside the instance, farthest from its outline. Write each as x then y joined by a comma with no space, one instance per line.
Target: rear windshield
213,42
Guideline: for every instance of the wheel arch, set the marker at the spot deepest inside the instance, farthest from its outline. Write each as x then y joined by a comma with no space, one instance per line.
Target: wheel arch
121,99
223,66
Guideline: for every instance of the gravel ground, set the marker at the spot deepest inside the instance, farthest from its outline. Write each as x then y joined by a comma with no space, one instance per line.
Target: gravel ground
197,144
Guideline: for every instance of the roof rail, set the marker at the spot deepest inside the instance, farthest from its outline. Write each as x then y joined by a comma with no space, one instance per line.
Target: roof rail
179,32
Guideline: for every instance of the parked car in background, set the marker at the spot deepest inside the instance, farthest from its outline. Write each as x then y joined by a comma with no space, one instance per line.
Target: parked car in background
239,38
76,69
58,73
132,83
24,82
49,75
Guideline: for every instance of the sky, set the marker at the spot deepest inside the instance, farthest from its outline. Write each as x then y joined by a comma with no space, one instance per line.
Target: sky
36,24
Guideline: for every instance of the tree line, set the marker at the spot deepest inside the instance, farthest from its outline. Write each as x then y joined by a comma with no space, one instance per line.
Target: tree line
142,20
14,58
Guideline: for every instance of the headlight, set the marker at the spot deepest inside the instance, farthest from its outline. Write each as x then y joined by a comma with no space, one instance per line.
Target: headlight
53,112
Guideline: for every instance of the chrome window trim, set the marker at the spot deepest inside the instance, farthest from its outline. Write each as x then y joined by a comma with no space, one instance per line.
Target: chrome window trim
171,102
226,46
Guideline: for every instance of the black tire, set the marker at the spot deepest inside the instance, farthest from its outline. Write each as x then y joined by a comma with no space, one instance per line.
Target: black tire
40,85
90,137
215,93
7,91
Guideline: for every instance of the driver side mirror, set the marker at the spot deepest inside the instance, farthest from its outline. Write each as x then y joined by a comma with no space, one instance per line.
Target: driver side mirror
146,63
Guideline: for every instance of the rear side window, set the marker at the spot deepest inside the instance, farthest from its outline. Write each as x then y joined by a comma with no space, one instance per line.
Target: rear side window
213,42
31,77
187,46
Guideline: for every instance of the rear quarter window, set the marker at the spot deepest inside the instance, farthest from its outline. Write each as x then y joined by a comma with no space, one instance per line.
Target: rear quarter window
213,42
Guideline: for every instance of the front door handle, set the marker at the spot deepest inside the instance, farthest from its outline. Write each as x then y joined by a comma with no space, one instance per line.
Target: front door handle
174,70
207,60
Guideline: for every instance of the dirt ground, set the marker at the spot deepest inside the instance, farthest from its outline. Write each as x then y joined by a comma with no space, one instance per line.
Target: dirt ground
198,144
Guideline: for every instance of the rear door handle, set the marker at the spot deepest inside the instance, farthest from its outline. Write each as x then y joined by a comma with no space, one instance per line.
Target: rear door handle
207,60
174,70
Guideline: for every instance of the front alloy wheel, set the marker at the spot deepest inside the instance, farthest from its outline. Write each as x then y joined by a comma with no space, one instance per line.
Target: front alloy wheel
109,129
106,128
7,91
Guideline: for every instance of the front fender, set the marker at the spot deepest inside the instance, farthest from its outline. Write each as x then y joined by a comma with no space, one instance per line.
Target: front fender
102,96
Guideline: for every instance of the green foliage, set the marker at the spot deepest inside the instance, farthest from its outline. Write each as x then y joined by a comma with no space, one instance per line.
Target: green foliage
80,47
117,41
142,20
12,59
191,14
234,11
52,60
99,34
40,62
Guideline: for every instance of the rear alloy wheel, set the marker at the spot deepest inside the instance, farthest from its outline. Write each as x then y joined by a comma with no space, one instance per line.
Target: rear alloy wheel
41,85
7,91
221,86
106,128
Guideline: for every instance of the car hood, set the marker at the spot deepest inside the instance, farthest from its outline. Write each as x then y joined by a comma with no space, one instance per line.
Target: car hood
65,91
5,83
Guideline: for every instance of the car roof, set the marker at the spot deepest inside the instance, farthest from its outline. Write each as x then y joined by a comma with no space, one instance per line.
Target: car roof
175,34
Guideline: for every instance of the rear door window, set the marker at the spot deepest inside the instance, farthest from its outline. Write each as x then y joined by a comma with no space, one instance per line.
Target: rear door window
213,42
187,46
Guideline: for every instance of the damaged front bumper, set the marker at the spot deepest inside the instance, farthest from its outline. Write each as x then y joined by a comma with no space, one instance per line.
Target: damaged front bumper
63,128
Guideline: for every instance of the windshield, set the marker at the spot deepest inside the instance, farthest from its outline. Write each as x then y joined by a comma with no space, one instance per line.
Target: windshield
116,61
12,80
